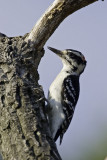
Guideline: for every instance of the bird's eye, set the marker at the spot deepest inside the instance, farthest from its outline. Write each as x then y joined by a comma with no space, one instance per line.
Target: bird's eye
71,55
78,59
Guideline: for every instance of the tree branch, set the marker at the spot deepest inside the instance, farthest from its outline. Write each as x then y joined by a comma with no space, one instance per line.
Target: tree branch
51,19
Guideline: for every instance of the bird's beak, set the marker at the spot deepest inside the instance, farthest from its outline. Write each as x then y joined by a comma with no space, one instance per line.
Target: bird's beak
58,52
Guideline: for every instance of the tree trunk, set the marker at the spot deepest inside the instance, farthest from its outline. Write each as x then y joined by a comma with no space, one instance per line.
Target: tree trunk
24,132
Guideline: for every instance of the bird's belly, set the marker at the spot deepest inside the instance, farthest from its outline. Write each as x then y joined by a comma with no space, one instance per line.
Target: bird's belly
56,116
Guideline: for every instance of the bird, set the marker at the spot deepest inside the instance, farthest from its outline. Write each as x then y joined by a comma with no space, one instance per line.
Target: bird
64,91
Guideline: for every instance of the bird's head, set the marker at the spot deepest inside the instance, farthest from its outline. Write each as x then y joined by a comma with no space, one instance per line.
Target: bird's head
73,61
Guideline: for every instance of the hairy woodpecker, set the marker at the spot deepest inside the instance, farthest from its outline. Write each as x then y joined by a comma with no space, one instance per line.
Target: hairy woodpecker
64,91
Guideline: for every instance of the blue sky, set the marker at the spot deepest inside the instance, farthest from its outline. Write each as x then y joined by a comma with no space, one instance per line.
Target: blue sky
86,31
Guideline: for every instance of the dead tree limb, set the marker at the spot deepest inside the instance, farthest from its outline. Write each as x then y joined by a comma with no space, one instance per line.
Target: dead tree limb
52,18
24,132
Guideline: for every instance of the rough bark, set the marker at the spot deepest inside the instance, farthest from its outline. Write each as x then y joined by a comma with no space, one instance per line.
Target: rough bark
24,132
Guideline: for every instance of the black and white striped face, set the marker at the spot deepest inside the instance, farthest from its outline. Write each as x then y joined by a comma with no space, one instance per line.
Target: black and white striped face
71,59
75,59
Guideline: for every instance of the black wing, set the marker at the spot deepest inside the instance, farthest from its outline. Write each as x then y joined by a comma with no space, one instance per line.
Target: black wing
70,94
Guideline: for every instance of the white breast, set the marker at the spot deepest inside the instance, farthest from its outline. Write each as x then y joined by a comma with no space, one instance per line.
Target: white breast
56,115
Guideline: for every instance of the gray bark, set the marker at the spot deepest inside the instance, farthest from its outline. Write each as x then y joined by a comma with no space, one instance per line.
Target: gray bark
24,132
